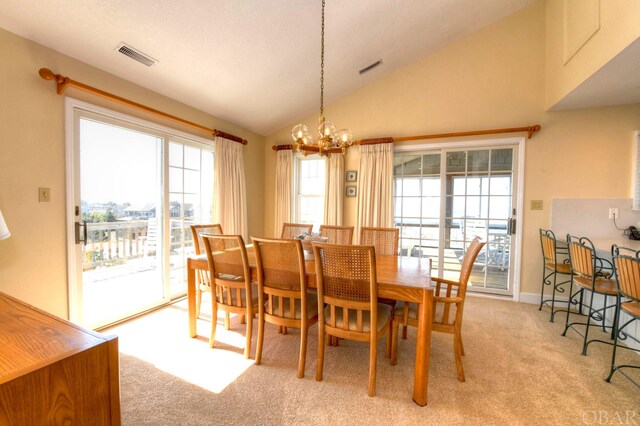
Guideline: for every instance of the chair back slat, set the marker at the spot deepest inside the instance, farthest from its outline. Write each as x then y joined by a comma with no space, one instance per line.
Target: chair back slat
385,240
292,230
337,234
627,272
197,231
581,256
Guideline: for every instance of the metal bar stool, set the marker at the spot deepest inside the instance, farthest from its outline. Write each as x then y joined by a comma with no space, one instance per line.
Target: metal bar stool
588,272
551,269
627,266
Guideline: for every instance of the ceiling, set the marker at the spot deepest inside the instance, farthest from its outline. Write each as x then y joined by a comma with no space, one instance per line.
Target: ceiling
254,63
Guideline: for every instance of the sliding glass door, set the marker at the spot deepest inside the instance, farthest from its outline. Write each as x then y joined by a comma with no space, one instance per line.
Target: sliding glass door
444,198
134,188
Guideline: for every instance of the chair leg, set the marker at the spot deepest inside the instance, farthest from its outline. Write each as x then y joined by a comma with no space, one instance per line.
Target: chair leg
544,270
404,331
460,343
566,323
303,351
214,322
604,311
615,341
198,302
395,325
457,339
260,334
553,298
242,319
319,366
247,347
226,321
373,361
586,332
284,330
387,351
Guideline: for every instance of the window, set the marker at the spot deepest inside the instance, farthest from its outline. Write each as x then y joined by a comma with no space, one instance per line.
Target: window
309,188
444,198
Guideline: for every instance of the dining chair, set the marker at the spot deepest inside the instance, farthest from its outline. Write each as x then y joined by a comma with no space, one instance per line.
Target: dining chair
551,269
447,308
202,277
284,299
337,234
347,288
231,289
292,230
589,273
385,240
626,262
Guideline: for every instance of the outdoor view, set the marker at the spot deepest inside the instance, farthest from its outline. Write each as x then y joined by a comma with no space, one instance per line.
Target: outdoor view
124,261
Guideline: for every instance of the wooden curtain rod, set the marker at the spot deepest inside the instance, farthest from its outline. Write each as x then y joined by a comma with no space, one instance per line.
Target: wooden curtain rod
529,129
62,83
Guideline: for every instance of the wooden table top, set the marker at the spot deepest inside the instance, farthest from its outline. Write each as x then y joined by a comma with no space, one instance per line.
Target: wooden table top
391,270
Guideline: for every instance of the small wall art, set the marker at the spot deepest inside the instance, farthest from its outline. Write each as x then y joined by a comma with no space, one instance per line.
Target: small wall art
352,176
352,191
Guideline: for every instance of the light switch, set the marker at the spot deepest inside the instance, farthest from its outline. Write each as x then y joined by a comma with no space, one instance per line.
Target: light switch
44,195
536,204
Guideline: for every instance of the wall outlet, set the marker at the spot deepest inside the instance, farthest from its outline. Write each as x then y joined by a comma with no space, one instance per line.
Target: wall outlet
614,213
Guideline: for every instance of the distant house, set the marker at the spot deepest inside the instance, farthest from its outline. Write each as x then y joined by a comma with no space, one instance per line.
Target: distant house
148,211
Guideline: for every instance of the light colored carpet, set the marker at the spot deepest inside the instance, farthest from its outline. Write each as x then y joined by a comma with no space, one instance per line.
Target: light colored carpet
519,370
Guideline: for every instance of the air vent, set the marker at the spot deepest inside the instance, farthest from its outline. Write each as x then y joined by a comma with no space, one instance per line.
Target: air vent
370,67
135,54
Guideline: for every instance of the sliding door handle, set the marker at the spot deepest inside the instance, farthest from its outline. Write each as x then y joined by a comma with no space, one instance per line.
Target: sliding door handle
84,233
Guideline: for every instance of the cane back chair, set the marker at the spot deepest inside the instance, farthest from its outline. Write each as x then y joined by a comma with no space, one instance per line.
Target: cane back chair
347,287
337,234
284,299
202,277
292,230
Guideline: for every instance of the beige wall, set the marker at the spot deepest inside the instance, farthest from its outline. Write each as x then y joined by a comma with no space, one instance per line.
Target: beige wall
32,155
491,79
618,27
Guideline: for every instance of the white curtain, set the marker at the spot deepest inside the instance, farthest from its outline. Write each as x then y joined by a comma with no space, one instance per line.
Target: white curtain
375,192
284,183
229,193
333,196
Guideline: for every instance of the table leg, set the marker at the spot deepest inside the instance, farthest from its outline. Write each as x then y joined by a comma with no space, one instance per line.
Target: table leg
191,298
423,349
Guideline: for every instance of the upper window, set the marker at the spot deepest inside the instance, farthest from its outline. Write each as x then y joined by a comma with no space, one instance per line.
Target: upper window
309,189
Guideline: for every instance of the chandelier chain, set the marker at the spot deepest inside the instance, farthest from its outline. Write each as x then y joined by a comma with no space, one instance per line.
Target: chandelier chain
322,66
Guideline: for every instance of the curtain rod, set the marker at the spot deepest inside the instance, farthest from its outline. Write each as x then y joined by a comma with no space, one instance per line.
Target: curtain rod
62,83
529,129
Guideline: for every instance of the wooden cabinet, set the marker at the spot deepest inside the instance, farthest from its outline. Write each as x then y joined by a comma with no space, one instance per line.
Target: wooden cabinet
54,372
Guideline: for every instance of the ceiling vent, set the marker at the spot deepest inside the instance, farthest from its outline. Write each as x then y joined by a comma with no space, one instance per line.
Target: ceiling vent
135,54
370,67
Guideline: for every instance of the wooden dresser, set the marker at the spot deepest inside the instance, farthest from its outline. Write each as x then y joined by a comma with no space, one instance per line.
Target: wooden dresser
54,372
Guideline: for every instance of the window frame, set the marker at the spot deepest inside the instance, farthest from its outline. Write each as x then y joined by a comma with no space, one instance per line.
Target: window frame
298,159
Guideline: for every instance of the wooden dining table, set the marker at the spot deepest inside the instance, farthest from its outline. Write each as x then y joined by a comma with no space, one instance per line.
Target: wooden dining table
400,278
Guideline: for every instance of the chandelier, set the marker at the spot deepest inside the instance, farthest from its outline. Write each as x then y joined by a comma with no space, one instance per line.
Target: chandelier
329,141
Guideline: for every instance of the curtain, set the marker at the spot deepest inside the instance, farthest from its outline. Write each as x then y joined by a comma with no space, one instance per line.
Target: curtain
229,193
284,182
333,196
375,192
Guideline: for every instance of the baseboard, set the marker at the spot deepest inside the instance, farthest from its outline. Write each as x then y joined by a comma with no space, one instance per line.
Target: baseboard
534,298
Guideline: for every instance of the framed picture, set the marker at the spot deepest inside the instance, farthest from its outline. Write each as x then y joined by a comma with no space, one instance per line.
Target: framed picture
352,191
352,176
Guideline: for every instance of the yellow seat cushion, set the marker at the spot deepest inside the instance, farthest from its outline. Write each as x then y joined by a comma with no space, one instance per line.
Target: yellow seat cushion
384,315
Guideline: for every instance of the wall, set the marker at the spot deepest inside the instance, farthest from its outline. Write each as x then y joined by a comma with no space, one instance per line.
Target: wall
491,79
32,155
618,27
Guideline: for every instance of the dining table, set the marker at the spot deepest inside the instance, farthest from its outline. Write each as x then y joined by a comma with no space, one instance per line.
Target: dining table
405,279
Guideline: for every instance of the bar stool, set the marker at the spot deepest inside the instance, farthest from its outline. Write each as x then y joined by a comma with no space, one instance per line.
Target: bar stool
588,272
551,269
627,266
